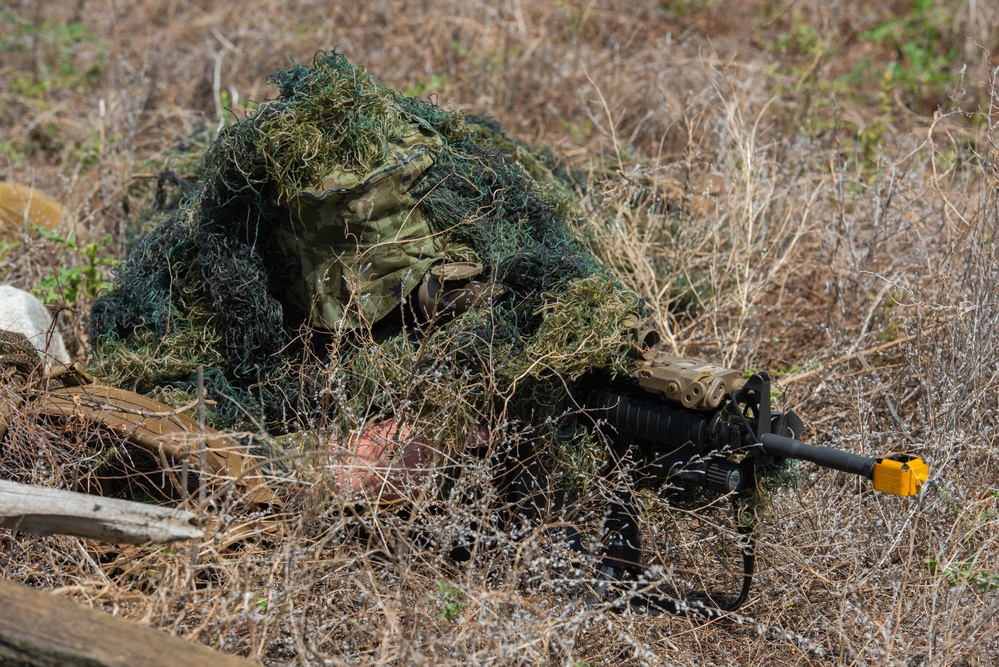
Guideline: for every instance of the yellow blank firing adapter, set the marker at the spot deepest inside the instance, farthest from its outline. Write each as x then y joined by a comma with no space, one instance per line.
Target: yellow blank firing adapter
900,474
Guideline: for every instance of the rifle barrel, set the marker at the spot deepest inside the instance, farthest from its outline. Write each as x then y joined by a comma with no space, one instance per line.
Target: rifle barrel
827,457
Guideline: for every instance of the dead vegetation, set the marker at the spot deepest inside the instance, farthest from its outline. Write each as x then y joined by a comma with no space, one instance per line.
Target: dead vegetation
798,187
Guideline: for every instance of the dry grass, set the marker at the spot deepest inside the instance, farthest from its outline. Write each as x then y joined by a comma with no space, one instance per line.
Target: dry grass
832,229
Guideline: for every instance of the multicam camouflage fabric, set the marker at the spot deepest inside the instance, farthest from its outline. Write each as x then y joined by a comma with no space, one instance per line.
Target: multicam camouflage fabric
363,242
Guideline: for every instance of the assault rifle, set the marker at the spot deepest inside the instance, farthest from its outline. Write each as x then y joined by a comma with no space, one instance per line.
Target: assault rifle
678,423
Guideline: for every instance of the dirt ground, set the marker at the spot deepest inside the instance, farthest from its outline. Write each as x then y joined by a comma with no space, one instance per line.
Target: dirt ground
830,173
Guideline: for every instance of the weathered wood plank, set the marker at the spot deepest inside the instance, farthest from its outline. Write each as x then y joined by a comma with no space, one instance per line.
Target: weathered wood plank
45,511
42,630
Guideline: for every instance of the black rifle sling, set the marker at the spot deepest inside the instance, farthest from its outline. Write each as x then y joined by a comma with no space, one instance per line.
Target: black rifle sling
707,604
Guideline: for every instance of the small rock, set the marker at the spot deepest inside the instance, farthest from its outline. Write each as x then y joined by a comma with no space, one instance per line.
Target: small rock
22,206
22,313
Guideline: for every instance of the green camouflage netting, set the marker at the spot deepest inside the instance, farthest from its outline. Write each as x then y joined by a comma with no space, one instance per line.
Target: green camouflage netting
290,275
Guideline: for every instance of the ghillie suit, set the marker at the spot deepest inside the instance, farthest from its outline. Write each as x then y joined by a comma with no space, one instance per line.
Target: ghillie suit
303,277
292,274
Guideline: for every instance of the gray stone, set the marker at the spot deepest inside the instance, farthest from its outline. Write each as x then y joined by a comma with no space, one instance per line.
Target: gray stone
21,312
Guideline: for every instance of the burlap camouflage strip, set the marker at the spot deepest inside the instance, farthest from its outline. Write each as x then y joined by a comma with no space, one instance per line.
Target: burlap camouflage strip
156,428
141,421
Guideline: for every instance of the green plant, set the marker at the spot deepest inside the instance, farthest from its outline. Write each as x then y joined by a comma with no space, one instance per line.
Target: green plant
5,248
966,567
577,18
87,153
801,40
448,599
15,151
798,368
578,131
964,570
86,277
682,8
924,47
437,83
56,48
227,101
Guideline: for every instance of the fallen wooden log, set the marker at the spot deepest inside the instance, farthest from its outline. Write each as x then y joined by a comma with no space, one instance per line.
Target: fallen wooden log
42,630
44,511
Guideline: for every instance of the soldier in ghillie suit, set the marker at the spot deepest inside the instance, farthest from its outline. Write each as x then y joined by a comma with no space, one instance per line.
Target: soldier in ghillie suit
403,280
354,255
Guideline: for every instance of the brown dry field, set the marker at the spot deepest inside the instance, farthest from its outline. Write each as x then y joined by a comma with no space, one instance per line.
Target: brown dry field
831,170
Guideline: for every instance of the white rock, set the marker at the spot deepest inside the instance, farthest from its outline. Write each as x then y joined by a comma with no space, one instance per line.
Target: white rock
21,312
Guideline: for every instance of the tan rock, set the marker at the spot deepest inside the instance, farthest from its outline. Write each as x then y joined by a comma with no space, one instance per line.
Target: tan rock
22,206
